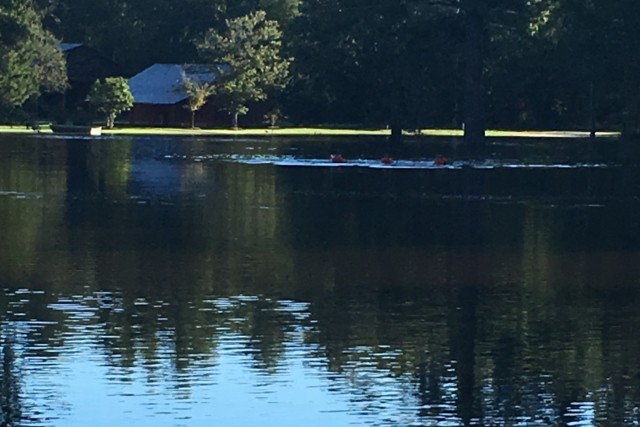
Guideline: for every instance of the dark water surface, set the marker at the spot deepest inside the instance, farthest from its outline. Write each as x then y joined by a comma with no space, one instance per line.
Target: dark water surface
192,282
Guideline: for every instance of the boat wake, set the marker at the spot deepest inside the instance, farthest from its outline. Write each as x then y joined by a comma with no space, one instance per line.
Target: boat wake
424,163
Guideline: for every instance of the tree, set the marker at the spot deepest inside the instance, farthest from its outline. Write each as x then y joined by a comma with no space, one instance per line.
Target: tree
198,92
598,54
111,96
473,57
30,61
282,11
375,63
252,65
136,34
483,22
408,63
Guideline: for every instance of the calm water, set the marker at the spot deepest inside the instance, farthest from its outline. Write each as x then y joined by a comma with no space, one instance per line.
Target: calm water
169,282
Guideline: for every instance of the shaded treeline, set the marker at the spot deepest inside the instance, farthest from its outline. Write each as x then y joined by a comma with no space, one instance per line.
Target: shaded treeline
403,63
412,63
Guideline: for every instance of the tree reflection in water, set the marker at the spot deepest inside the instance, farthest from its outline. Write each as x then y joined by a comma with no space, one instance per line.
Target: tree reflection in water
464,297
10,397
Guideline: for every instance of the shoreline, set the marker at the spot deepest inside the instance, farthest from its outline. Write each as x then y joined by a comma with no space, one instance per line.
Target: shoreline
311,132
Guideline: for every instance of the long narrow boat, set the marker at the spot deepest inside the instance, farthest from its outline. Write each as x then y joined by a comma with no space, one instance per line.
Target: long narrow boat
77,130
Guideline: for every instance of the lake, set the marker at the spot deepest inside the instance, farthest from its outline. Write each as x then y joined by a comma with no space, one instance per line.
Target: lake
241,282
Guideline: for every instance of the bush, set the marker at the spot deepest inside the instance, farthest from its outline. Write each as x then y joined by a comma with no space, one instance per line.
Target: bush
111,96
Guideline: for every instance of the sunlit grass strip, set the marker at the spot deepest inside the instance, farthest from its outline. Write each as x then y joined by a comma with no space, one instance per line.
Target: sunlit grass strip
548,134
309,131
22,129
493,133
248,132
350,132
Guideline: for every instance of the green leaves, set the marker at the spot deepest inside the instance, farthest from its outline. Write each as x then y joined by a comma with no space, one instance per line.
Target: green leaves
249,54
30,60
111,96
198,92
375,63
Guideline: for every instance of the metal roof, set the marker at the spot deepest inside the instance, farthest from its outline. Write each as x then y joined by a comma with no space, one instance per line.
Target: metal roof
164,83
69,46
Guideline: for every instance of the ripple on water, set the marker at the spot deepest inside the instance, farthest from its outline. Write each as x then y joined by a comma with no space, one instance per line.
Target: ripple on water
229,370
423,163
580,414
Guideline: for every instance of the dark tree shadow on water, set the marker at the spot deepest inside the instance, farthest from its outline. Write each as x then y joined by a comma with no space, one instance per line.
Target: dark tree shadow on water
464,320
10,403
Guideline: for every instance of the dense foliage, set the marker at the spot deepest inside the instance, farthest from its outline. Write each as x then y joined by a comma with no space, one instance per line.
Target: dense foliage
30,61
111,96
249,51
198,92
403,63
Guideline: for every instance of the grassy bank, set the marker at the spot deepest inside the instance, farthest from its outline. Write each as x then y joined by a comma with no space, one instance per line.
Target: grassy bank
315,132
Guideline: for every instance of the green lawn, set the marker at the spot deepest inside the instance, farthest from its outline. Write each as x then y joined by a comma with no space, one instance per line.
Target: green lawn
318,132
246,132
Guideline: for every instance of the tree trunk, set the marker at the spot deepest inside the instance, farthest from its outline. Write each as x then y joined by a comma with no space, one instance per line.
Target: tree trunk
193,119
396,133
474,126
235,120
592,110
629,109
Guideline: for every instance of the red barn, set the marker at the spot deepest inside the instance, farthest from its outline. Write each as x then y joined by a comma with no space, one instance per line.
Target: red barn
160,98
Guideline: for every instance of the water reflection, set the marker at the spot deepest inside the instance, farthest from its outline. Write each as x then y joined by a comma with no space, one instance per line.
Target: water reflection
138,288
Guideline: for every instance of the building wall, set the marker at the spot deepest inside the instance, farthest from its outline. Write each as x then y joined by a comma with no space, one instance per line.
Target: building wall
178,115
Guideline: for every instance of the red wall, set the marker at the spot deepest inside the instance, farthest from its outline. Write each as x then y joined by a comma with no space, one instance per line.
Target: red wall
178,115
